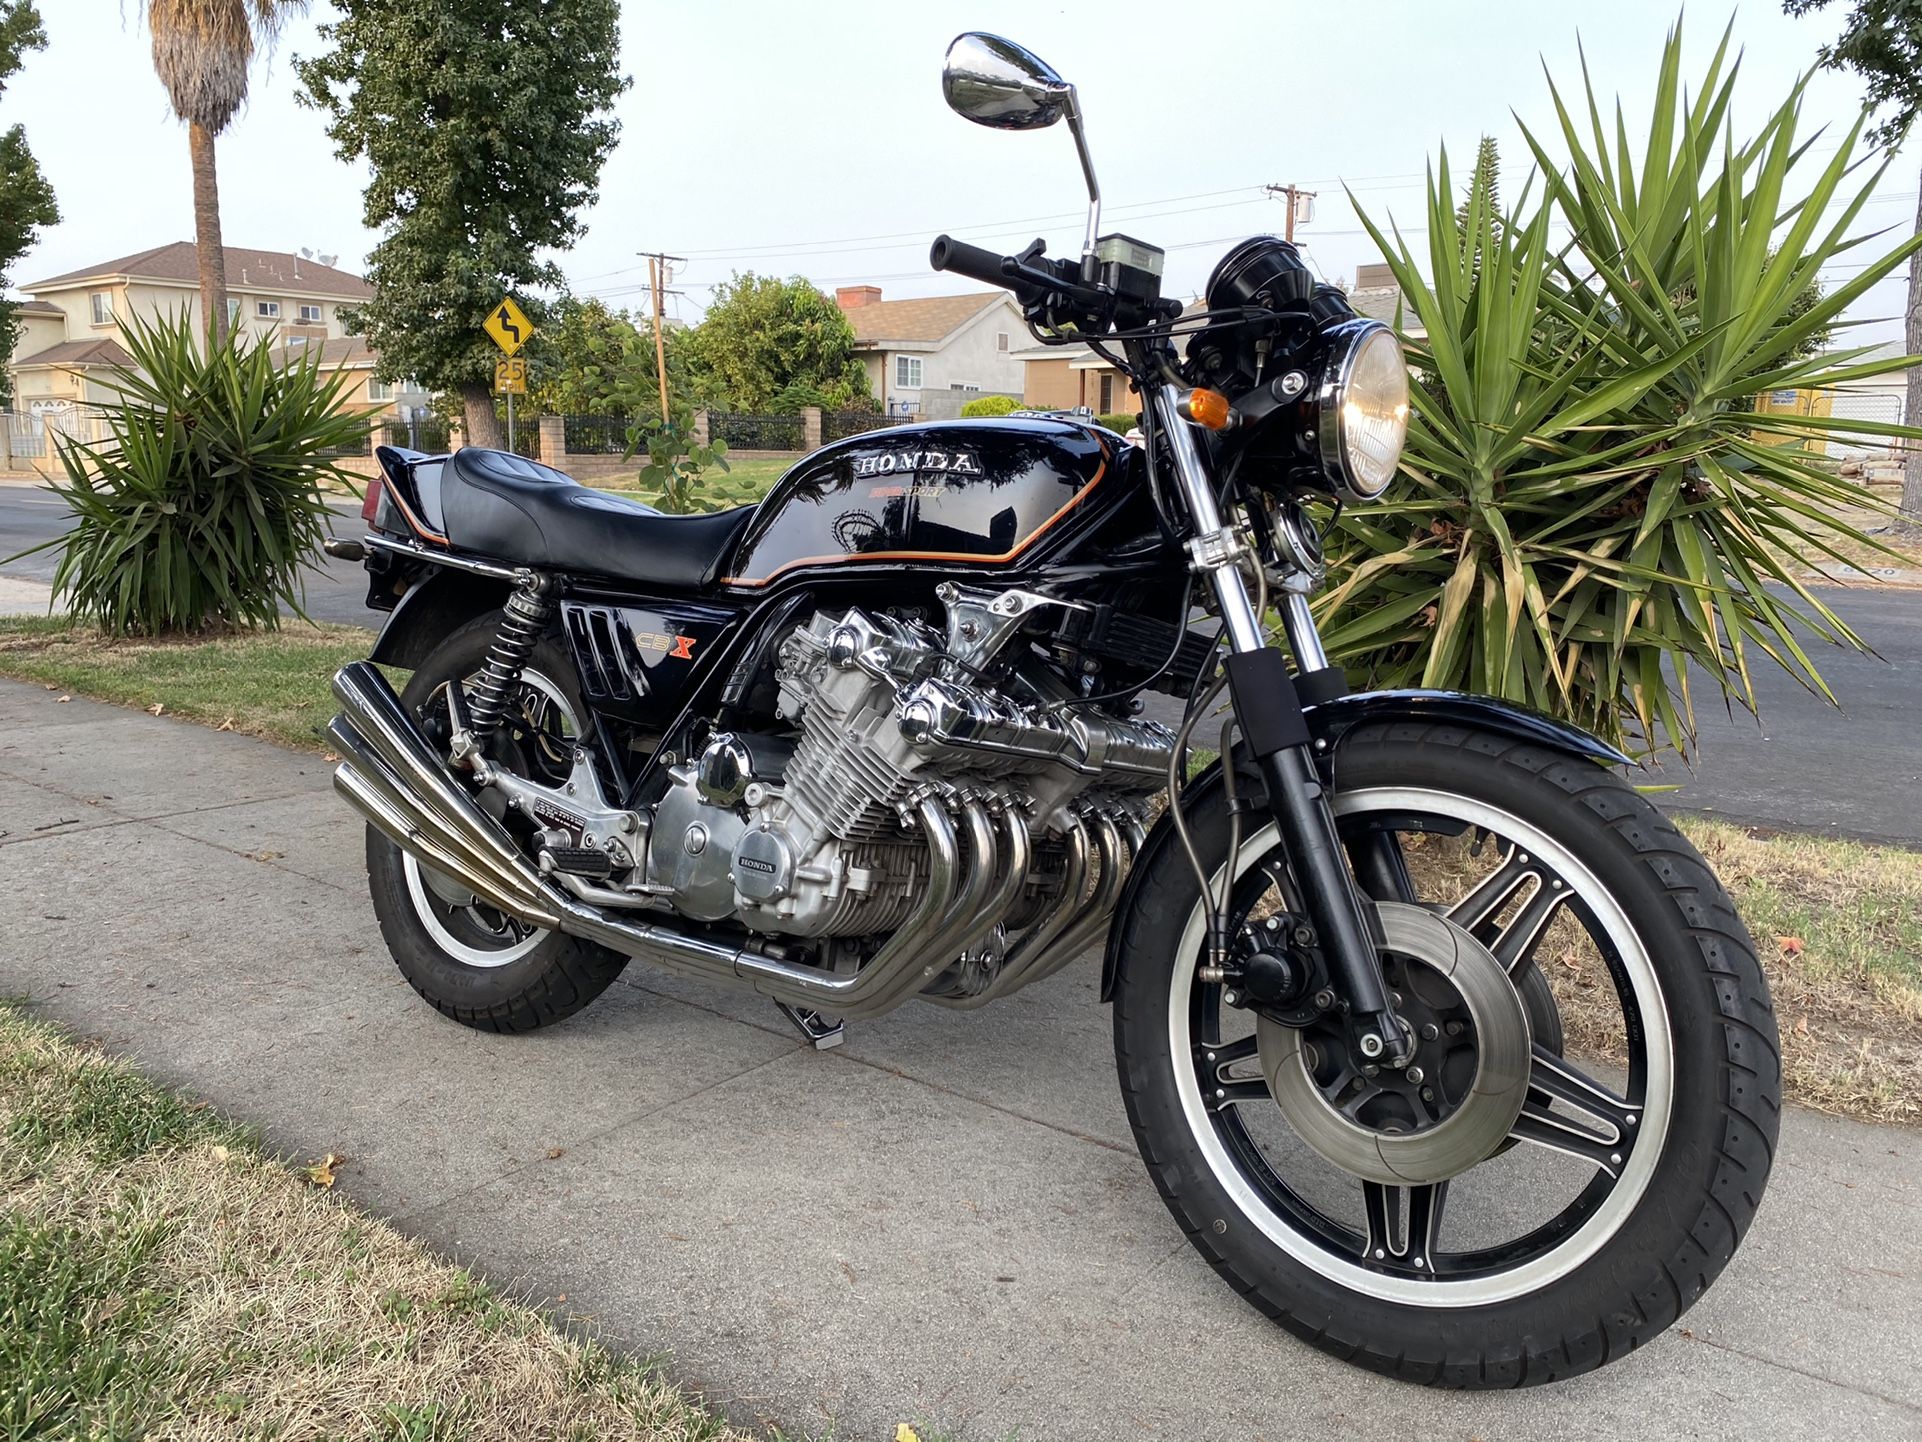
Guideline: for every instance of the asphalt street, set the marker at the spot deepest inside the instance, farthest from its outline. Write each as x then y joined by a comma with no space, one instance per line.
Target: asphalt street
1852,770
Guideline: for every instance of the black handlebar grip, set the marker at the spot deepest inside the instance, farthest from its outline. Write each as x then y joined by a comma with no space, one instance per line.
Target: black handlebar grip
969,260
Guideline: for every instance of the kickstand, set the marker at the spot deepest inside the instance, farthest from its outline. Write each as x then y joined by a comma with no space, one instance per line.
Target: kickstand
822,1032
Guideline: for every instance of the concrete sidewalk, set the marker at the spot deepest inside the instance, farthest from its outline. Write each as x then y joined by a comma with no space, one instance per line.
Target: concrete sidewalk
945,1220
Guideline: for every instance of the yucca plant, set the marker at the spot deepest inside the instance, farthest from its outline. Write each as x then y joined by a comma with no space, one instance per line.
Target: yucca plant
203,504
1592,507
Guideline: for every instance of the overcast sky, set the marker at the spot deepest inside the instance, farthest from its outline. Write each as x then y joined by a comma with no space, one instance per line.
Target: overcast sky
812,139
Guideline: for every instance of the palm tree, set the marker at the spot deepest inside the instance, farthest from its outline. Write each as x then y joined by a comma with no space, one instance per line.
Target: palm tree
201,51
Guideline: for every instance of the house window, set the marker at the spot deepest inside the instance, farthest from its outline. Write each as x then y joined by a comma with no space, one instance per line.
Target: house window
380,390
233,312
907,372
1001,340
962,386
310,315
267,309
296,342
1107,393
102,302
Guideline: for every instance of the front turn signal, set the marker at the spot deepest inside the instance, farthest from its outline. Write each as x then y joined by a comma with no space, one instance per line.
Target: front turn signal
1208,409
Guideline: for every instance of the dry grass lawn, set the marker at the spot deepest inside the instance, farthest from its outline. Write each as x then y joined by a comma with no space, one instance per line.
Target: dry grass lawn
160,1277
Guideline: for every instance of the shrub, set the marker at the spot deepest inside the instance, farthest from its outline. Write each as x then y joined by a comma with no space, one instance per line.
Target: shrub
990,406
675,478
203,504
1592,510
1123,421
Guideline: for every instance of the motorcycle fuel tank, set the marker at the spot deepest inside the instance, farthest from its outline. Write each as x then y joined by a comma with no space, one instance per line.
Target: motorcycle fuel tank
956,492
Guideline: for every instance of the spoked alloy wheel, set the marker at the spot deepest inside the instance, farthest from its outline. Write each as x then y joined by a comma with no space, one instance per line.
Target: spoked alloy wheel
539,729
1584,1131
472,963
1393,1242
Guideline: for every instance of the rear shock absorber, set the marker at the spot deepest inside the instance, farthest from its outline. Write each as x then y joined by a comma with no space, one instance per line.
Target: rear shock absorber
523,621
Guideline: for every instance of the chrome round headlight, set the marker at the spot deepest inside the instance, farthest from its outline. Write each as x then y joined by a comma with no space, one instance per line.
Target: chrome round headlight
1363,403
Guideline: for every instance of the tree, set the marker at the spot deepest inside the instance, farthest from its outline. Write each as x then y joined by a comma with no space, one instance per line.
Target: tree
26,200
201,51
762,335
589,360
1882,42
485,124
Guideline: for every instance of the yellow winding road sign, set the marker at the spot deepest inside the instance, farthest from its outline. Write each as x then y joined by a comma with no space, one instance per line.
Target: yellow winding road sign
508,324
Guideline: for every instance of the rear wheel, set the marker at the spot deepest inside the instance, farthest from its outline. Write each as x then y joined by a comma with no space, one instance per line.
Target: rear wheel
1588,1122
471,962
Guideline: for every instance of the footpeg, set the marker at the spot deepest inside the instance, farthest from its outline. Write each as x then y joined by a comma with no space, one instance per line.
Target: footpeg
580,860
821,1032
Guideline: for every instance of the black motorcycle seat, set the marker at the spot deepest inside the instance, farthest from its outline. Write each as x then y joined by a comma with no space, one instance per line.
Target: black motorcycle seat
508,507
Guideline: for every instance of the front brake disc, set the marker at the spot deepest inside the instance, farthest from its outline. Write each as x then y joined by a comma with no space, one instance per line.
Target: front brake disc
1478,1120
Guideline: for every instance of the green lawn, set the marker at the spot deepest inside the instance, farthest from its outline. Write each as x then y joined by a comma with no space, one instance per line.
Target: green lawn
273,684
161,1276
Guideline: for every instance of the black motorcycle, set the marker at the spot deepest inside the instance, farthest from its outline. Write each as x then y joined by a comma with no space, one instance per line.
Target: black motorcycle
1442,1045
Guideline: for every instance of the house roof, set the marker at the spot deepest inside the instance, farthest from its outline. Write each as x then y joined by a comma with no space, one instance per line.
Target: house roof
99,352
341,353
1383,303
926,321
246,270
35,307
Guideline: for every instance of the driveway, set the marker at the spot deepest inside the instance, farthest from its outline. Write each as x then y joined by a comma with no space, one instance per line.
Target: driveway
944,1220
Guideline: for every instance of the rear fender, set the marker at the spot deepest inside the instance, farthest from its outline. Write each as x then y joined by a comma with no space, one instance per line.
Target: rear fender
1329,723
431,610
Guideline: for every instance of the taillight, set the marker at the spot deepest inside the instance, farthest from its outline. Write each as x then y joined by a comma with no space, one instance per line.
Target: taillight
372,503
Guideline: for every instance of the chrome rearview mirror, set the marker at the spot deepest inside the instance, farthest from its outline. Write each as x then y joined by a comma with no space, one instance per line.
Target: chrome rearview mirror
993,81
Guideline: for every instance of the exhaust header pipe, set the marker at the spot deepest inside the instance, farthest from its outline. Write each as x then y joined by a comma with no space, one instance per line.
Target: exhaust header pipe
390,774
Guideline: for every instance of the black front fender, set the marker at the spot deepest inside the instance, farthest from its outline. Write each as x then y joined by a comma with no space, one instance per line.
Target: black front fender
1329,721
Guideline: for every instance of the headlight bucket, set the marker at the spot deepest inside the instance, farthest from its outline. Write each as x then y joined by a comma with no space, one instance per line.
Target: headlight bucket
1361,408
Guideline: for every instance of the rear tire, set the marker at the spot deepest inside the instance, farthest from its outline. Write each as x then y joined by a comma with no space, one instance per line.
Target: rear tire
448,952
1661,1247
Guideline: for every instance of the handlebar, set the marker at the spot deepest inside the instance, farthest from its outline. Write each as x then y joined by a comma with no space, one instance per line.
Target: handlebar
970,260
1044,285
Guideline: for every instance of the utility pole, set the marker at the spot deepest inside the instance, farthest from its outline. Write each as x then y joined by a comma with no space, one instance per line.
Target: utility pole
1295,195
657,280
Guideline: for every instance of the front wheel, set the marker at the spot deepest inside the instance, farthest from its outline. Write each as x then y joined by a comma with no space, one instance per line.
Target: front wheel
1569,1159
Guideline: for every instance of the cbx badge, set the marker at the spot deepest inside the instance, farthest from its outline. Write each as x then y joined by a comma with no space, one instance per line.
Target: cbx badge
888,463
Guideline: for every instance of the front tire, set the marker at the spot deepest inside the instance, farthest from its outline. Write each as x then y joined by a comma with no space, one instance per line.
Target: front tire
470,963
1367,1272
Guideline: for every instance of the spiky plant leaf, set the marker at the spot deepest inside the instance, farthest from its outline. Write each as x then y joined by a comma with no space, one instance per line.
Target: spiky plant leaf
1593,508
203,504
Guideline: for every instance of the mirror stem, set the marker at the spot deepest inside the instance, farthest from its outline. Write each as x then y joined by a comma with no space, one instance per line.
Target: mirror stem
1073,112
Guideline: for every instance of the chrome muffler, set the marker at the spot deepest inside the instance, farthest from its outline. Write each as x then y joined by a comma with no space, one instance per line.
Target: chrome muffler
391,776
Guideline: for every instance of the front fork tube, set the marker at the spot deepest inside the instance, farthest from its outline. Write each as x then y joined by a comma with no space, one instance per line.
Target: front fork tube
1272,725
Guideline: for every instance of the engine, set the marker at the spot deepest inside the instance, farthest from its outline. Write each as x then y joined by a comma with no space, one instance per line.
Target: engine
813,833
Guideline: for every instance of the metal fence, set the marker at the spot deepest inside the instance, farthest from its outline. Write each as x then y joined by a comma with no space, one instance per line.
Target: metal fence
26,436
595,435
757,433
838,425
428,436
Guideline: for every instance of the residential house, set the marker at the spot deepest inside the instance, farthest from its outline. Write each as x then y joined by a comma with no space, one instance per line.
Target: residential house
929,357
1063,377
1376,293
70,327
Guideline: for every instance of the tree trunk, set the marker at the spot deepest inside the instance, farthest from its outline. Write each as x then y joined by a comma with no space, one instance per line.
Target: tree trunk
483,425
213,264
1912,407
